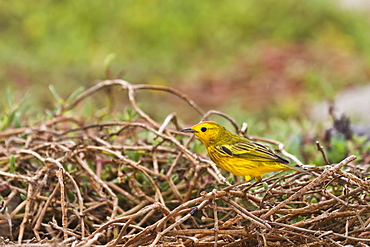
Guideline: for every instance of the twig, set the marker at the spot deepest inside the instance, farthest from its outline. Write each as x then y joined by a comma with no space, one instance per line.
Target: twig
145,210
327,172
178,222
60,174
41,216
216,228
321,150
247,215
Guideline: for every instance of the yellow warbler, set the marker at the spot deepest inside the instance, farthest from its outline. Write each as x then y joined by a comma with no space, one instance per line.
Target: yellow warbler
238,155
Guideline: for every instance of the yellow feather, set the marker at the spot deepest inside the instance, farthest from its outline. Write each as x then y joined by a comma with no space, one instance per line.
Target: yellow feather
238,155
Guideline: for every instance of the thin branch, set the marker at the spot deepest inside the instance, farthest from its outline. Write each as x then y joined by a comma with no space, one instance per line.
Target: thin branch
322,151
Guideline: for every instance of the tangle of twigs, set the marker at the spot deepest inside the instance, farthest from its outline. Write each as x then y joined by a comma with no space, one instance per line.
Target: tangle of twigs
137,183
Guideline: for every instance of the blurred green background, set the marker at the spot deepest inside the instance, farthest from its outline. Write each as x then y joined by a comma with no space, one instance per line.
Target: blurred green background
253,59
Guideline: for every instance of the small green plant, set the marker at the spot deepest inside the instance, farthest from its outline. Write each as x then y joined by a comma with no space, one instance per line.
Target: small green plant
60,103
13,111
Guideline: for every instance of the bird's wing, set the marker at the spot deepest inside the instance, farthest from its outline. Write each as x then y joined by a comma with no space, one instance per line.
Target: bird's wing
252,151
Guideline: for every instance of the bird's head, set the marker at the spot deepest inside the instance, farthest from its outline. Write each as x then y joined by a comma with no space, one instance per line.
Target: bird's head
207,131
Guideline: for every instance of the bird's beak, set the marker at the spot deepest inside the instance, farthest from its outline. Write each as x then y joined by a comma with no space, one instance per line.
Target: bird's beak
189,130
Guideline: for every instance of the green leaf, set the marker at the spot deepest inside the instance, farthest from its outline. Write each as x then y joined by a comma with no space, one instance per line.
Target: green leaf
10,118
49,113
9,96
74,95
12,164
17,119
71,195
55,94
23,197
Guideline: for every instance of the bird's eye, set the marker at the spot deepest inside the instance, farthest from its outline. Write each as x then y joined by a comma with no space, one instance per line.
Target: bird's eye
203,129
